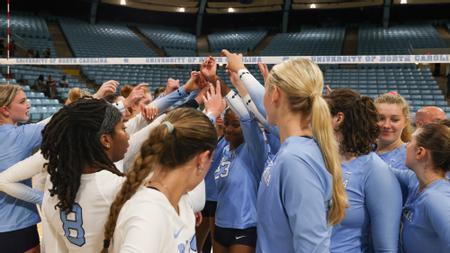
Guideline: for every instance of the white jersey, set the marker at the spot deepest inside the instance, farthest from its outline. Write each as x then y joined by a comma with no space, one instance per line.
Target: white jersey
149,223
81,230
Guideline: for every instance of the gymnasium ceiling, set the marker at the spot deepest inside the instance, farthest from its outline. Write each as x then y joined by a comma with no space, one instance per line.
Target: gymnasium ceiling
255,6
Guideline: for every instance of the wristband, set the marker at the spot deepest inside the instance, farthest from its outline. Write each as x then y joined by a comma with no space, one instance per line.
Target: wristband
243,73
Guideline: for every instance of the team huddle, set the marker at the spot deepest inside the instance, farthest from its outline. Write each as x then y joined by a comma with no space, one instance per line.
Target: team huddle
273,167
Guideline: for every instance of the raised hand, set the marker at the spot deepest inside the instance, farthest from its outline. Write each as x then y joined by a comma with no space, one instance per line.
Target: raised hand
328,88
209,69
264,70
172,85
235,61
213,101
197,81
136,95
149,112
107,88
201,94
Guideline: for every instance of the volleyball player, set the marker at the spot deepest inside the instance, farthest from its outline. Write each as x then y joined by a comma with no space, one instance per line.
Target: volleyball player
301,192
426,216
156,215
372,220
18,219
237,178
395,129
81,143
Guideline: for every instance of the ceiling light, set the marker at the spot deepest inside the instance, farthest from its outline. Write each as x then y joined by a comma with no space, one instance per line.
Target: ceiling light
230,10
123,2
181,9
403,1
312,6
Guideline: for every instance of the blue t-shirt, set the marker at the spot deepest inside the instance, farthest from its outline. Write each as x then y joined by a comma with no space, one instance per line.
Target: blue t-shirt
426,215
372,220
17,143
210,183
293,200
237,179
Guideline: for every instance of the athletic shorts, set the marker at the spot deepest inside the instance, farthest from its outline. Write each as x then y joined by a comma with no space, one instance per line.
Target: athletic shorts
230,236
19,241
210,209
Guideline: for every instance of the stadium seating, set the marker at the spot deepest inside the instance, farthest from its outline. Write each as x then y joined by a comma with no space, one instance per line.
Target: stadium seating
30,73
173,42
310,41
103,40
26,25
416,85
29,31
156,76
239,41
400,39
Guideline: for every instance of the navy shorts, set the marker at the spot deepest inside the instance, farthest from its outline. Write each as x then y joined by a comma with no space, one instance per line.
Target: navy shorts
230,236
210,209
19,241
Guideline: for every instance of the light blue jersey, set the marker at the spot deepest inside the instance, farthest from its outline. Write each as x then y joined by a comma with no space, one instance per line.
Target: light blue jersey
293,200
372,220
17,143
426,215
210,183
237,179
396,157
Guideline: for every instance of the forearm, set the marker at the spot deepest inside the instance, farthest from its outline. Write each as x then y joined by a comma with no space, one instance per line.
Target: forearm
136,141
254,89
25,169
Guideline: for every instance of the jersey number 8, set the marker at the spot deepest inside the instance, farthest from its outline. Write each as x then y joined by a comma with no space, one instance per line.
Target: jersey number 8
73,228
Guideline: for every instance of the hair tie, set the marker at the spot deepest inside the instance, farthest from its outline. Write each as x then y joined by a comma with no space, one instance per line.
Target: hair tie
313,95
106,244
169,126
393,93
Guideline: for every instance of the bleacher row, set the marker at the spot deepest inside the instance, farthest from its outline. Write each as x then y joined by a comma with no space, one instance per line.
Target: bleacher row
155,76
30,73
173,42
318,41
416,85
240,41
399,39
115,39
118,40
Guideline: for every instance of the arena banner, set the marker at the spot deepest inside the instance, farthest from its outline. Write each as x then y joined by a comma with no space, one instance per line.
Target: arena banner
332,59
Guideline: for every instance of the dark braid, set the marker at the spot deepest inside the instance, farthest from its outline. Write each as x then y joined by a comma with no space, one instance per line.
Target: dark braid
71,143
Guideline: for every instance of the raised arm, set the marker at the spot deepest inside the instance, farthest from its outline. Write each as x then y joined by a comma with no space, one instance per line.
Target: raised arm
135,142
253,86
249,104
253,136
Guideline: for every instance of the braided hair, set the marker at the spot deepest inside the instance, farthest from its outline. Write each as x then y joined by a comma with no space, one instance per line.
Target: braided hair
186,133
71,143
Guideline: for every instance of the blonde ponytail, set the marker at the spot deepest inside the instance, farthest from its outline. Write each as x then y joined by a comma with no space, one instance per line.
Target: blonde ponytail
323,133
302,81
